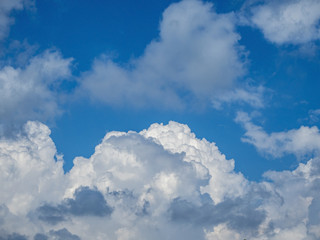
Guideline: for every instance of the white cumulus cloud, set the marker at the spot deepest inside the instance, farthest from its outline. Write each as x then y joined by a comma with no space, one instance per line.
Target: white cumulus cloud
161,183
30,92
196,57
302,142
287,22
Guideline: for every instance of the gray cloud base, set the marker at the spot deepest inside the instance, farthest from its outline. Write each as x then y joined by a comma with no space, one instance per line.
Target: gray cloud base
86,202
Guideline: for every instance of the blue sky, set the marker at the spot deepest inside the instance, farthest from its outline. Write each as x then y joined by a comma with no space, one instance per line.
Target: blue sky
83,31
244,75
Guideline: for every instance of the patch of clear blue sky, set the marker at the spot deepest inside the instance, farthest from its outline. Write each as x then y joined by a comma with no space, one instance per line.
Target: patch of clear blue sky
85,29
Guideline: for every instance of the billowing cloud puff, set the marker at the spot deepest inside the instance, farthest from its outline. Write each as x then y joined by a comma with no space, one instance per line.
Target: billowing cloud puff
196,59
302,142
161,183
24,161
289,21
30,93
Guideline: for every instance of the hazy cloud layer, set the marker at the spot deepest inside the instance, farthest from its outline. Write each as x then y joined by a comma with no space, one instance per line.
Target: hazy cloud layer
161,183
288,21
13,236
61,234
196,59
